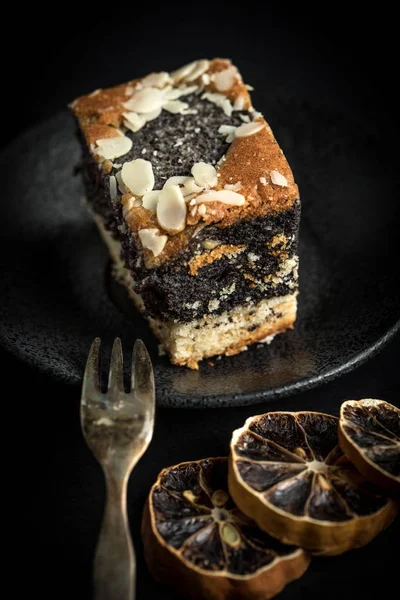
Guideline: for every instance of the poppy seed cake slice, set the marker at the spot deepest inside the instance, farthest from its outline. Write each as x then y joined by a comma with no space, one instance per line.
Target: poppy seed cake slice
198,206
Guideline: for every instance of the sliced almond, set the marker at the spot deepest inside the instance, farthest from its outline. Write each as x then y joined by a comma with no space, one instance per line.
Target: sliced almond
157,80
278,179
249,128
176,106
109,148
202,209
175,93
183,72
229,131
204,174
113,187
225,79
189,111
152,240
190,187
145,100
121,185
133,121
150,200
138,176
220,100
175,180
171,209
224,196
239,103
129,90
234,187
226,129
152,115
200,67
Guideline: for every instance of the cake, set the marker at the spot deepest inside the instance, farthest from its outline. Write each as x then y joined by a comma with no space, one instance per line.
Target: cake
198,207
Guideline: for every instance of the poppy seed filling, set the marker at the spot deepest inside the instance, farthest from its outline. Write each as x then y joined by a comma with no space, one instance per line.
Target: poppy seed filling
174,142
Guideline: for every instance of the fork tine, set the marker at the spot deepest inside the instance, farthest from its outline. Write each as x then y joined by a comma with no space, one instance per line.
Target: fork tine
142,374
116,375
91,380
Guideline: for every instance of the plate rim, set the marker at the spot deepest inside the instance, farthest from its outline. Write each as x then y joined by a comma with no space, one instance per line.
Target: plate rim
220,400
246,398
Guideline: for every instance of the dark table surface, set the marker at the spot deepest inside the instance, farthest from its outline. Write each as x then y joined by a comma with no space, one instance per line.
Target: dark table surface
63,489
332,57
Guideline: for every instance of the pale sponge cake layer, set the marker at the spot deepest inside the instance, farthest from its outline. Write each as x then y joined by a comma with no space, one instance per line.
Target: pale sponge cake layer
227,333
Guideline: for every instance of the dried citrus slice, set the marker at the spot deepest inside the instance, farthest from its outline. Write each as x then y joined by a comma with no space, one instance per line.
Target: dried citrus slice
287,471
196,539
369,434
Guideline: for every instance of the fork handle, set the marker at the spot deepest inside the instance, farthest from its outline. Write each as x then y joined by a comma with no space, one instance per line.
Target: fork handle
114,564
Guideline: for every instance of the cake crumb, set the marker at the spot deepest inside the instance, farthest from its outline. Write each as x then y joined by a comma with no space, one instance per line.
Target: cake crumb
107,166
104,421
213,305
267,340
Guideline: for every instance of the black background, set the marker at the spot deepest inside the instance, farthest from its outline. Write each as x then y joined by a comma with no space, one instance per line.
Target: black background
329,54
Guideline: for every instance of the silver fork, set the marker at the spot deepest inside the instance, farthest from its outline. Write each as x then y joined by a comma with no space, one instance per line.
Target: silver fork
118,427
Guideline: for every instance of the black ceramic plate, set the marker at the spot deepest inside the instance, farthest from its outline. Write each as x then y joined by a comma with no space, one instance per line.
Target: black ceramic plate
58,295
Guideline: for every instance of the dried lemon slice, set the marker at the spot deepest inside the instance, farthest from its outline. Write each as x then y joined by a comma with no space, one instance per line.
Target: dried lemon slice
196,540
369,434
287,471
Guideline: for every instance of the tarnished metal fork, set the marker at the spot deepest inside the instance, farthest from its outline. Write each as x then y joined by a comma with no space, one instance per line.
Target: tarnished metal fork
118,427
